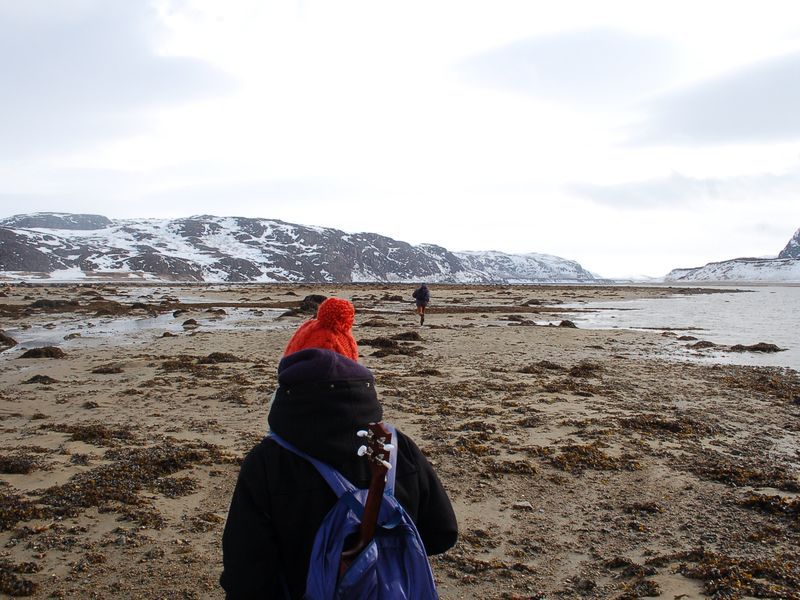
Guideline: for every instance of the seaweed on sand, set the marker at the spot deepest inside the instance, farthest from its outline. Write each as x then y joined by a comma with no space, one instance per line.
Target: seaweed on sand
717,467
219,357
108,369
20,464
189,364
10,581
775,505
14,508
541,367
683,426
586,368
132,470
776,382
728,577
94,433
577,458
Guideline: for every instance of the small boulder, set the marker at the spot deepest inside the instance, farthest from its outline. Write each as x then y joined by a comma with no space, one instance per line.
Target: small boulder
311,303
43,379
702,344
6,341
759,347
567,323
44,352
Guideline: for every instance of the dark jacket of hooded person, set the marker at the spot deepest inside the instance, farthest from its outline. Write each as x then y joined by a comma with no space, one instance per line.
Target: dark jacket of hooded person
280,500
422,295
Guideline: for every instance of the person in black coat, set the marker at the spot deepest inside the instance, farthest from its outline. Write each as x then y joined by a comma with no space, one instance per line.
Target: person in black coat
323,399
421,296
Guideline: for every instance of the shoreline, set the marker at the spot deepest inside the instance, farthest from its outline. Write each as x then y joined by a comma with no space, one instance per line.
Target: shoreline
578,466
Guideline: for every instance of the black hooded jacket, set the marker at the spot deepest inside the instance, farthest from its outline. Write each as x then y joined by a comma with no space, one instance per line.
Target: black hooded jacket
280,499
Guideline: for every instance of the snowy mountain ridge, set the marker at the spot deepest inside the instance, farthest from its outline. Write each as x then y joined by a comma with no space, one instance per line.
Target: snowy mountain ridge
237,249
783,269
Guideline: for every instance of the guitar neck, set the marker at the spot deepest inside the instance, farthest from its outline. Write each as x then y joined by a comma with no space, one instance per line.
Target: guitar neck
377,453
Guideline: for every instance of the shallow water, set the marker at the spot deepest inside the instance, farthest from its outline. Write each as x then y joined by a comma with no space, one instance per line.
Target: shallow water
761,314
133,329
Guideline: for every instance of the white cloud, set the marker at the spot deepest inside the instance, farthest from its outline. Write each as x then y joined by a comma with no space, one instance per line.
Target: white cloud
755,103
77,73
591,68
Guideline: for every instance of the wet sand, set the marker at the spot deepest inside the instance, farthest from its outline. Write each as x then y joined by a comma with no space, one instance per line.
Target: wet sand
582,463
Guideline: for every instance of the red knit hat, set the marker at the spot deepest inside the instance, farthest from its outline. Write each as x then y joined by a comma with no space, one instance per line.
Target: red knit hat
329,331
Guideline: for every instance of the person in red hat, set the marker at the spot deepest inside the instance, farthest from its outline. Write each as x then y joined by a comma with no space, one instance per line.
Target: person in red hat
329,330
324,397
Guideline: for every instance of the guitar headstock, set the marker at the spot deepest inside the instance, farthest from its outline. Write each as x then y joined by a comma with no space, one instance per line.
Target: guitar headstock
377,445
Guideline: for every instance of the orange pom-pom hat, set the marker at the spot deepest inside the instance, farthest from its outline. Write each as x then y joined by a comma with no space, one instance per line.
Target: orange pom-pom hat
330,330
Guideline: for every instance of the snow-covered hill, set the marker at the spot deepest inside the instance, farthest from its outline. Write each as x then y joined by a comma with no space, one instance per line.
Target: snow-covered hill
237,249
783,269
773,270
792,249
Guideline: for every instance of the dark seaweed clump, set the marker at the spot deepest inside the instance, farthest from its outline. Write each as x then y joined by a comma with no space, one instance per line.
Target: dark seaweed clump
541,367
586,368
14,585
14,508
577,458
783,384
131,471
18,464
189,364
717,467
728,577
108,369
94,433
387,346
775,505
655,423
219,357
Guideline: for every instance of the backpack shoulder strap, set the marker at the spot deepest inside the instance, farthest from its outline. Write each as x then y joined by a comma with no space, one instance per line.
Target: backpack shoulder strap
392,474
337,482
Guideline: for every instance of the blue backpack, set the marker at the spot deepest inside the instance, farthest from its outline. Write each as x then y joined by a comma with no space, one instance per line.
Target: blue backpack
393,566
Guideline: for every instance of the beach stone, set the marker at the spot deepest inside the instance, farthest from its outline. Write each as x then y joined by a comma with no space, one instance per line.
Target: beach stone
759,347
311,303
6,341
702,344
567,323
45,352
523,505
43,379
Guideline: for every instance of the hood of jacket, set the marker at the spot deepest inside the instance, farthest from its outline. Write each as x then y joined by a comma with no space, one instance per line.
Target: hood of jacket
323,399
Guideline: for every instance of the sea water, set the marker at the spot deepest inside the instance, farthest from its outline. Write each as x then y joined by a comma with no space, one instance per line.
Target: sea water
740,315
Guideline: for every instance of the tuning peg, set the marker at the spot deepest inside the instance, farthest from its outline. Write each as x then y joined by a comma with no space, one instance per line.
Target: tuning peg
362,433
362,450
386,464
388,447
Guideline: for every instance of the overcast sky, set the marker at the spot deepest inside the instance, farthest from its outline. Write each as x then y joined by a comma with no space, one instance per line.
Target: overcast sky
633,137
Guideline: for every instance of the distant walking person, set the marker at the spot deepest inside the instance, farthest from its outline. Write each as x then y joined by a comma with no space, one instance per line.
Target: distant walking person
422,296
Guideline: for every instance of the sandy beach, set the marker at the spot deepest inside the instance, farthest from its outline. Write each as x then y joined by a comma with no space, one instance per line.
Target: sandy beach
581,463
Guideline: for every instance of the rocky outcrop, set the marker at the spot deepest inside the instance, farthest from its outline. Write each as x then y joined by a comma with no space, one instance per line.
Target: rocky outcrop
57,221
792,249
